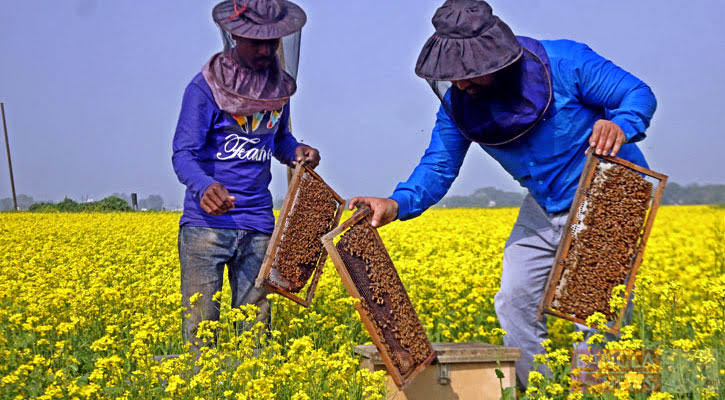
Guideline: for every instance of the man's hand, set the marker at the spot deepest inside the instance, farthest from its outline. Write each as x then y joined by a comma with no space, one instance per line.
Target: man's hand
216,200
607,138
308,154
384,210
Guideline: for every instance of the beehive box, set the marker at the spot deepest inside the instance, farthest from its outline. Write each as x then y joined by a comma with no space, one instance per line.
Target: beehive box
295,253
369,275
604,239
462,371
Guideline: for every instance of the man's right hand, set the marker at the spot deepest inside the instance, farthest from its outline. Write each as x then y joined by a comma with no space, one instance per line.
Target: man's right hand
384,210
216,200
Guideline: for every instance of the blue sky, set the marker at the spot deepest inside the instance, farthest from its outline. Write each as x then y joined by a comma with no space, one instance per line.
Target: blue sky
92,88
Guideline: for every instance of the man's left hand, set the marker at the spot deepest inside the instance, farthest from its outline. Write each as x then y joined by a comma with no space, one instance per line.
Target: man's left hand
307,154
607,138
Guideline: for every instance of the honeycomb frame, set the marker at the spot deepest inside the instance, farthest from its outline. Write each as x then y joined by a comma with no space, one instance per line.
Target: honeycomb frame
377,328
571,230
274,283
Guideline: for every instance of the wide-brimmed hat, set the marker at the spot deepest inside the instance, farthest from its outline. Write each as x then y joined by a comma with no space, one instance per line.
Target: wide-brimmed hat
259,19
469,41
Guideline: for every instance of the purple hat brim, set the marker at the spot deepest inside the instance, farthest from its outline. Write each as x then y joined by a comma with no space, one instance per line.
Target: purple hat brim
293,21
450,58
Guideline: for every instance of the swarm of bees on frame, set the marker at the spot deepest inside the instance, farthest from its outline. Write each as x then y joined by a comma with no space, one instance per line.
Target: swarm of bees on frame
385,298
601,252
300,248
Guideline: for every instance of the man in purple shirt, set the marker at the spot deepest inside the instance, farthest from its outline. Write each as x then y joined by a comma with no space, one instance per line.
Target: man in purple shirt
234,119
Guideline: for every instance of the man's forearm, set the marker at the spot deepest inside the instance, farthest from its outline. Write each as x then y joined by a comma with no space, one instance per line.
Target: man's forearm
190,173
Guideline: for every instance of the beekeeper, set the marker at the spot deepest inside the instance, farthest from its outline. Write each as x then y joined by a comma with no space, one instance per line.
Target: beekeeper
535,106
234,119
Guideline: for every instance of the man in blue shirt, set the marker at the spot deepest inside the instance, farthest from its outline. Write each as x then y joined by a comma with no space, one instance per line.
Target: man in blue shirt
535,107
234,119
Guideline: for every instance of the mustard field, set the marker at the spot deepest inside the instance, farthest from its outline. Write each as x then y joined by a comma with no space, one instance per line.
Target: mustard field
89,301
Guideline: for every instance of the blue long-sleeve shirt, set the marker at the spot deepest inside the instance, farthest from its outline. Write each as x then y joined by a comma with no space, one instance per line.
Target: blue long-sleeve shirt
213,146
548,160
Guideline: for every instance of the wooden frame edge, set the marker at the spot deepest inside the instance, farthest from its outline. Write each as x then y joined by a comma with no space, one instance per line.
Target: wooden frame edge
420,368
633,166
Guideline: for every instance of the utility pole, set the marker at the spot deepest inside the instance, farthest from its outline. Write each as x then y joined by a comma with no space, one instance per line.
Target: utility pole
10,163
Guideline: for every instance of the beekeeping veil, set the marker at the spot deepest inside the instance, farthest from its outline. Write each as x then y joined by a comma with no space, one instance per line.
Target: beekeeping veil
470,42
242,90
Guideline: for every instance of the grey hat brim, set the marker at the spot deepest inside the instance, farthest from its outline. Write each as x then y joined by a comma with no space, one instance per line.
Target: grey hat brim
292,21
450,58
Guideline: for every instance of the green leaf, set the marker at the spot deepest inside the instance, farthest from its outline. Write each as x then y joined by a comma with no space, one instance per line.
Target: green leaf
508,393
499,374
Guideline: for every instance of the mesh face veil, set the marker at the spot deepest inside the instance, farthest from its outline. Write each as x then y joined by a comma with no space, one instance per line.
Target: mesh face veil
514,101
288,52
227,38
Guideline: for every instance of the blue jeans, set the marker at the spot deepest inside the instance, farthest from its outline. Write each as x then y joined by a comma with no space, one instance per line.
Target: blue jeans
203,252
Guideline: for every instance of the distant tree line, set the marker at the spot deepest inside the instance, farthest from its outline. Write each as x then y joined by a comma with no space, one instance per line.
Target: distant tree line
152,202
68,205
24,202
674,194
115,202
484,197
693,194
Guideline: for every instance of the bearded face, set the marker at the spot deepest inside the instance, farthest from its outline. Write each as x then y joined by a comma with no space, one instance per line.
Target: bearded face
497,87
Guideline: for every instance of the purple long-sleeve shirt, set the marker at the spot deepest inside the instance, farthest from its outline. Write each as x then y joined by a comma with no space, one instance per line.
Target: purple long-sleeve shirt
211,145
